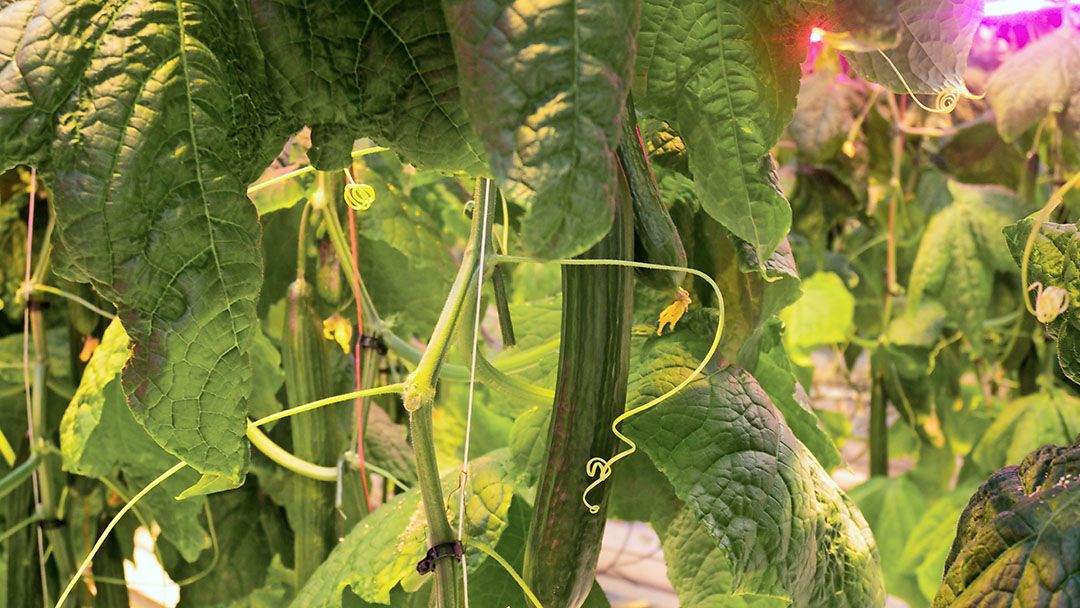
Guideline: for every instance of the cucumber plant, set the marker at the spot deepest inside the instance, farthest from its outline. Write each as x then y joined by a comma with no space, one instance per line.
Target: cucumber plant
580,293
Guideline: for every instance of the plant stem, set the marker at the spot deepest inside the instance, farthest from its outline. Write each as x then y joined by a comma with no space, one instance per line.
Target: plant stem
879,429
419,395
19,474
49,475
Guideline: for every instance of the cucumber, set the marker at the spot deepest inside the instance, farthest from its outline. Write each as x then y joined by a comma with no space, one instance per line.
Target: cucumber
564,538
656,240
307,378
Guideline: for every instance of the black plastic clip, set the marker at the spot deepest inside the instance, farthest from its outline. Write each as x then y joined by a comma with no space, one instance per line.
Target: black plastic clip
52,523
373,342
438,552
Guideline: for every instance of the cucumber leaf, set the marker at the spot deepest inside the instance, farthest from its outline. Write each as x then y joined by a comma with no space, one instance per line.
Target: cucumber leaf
700,572
1040,80
99,436
828,104
922,562
775,514
892,506
547,83
823,316
935,38
1026,424
1015,543
714,71
242,563
1055,261
383,549
960,251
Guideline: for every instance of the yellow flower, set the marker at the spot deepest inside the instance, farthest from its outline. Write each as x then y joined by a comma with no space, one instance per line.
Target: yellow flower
338,329
671,315
89,345
848,148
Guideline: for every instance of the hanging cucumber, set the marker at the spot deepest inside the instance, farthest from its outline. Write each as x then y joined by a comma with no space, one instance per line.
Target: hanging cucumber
307,379
564,538
314,437
656,239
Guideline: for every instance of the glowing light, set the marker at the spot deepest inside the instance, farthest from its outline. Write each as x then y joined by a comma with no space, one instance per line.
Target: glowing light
1002,8
816,34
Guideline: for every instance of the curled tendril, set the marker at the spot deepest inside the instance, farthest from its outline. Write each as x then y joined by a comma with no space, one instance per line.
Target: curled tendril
598,467
946,99
359,196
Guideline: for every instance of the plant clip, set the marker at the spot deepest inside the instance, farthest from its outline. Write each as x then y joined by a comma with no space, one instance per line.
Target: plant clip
373,342
451,549
52,523
36,304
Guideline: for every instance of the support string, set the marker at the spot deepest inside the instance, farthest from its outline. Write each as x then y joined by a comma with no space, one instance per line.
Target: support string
472,386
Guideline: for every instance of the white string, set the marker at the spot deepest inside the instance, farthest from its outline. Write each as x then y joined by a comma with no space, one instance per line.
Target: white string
472,386
26,378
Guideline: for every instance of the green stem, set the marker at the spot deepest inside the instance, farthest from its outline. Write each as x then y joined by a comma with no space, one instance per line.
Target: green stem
420,385
389,389
502,304
49,475
19,474
38,288
879,429
112,524
419,395
307,169
301,243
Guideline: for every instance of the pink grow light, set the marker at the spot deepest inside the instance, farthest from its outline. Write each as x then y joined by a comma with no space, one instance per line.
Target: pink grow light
1003,8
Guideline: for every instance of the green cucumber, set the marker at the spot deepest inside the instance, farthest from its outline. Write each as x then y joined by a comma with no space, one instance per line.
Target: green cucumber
656,239
307,378
564,538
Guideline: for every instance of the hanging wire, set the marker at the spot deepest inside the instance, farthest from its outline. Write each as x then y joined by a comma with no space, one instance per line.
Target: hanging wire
472,387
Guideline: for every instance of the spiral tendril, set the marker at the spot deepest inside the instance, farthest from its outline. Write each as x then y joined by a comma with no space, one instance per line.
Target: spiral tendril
946,99
359,196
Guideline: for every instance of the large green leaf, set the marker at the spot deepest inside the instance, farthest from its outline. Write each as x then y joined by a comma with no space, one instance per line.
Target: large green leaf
823,316
714,70
546,84
959,253
780,521
827,106
241,562
154,115
699,570
776,374
1054,262
151,89
1040,80
383,549
892,506
931,57
922,563
381,68
1026,424
1016,540
99,436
